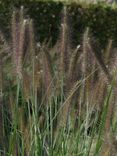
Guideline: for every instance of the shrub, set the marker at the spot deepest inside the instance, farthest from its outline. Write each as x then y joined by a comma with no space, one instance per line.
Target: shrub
99,17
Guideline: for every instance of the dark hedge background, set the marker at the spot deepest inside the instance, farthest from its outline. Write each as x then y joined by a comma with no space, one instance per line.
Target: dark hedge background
102,19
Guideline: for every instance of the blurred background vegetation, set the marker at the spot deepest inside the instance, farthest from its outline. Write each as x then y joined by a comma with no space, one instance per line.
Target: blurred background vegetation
100,18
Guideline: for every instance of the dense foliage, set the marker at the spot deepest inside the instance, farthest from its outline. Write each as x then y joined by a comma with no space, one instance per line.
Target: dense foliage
100,18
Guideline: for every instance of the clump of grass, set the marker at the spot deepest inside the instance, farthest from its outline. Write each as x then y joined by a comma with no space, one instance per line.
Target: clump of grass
57,105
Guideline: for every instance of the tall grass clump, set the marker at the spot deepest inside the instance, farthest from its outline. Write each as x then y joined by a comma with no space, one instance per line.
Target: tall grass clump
57,100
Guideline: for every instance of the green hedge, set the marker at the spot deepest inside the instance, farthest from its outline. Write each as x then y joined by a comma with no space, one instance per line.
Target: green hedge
101,19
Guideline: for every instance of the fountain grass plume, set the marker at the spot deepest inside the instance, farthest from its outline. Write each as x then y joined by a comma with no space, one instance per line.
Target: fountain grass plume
98,57
65,39
18,37
48,72
108,50
73,61
31,38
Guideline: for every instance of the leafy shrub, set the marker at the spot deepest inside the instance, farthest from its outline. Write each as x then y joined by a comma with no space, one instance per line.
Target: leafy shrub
100,18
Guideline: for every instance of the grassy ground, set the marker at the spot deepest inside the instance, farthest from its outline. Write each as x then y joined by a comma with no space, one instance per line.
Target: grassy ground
56,101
